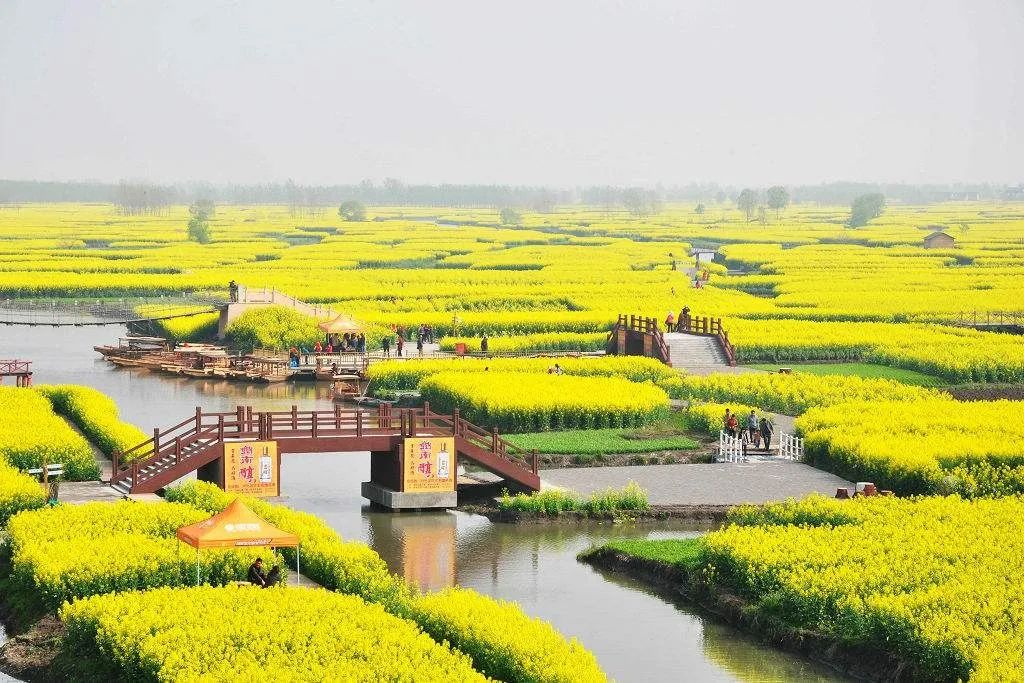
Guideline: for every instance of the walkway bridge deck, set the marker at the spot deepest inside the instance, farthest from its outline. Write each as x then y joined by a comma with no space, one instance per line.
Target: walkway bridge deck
197,441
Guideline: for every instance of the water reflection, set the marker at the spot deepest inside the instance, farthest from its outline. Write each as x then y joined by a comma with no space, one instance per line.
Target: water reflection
636,634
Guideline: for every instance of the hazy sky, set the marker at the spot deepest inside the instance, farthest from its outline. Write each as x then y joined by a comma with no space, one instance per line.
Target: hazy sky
561,92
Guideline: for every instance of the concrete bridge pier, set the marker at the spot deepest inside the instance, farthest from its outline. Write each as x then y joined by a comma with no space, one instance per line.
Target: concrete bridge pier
386,487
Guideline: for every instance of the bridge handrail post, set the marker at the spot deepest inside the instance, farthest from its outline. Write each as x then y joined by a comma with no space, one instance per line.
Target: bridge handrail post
337,416
199,418
156,440
239,418
177,450
295,417
455,422
359,422
135,475
312,428
220,427
494,439
533,460
114,458
248,418
426,414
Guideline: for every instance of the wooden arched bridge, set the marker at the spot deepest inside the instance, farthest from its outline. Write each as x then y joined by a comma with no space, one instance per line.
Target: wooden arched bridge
198,441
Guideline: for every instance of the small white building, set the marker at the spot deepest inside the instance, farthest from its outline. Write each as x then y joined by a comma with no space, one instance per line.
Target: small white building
703,255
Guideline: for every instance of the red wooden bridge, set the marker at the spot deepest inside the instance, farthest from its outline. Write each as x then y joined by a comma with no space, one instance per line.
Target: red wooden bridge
197,441
20,370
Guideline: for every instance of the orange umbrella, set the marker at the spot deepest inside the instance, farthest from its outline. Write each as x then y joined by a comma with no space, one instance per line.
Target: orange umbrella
236,526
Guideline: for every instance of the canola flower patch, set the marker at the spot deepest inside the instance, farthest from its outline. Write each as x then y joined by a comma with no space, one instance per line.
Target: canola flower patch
931,579
513,642
926,445
72,551
247,633
18,492
535,402
406,375
31,433
96,415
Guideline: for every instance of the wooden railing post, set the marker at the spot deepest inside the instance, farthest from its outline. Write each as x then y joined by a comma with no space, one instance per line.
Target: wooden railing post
455,422
494,439
312,428
240,417
220,427
248,418
269,421
533,460
114,458
337,416
199,418
135,476
426,414
359,422
177,450
156,440
295,417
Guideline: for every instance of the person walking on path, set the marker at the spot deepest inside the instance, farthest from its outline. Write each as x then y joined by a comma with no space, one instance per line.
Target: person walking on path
419,344
483,343
766,433
400,346
753,427
726,419
385,345
732,426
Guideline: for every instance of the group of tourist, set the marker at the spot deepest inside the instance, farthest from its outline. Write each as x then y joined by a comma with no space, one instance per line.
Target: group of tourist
753,432
681,324
333,343
424,334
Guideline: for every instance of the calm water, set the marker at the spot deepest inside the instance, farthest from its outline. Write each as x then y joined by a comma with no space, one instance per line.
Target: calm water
636,635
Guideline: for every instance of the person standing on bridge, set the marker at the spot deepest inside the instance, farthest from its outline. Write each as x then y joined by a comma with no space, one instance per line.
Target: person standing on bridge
233,291
385,345
766,433
399,346
670,322
684,320
483,343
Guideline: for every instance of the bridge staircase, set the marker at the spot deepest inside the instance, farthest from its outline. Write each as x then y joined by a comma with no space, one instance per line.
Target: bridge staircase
197,441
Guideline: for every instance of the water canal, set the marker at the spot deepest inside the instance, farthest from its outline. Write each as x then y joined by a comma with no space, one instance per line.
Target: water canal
635,634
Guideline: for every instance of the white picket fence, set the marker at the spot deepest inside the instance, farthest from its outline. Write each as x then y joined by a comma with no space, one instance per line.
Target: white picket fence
730,448
791,447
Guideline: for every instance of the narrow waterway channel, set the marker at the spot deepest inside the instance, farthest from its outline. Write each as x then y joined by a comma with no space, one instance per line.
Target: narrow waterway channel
635,634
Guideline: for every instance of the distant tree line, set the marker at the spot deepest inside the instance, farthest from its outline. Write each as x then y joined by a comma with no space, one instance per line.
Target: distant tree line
141,198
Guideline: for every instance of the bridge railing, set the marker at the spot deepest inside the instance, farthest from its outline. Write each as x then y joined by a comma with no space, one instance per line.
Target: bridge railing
639,325
193,436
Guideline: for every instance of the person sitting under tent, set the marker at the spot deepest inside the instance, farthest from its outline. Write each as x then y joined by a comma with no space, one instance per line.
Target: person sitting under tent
256,575
258,578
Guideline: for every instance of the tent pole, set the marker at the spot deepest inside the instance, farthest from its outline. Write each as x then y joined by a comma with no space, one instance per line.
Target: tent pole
298,550
197,566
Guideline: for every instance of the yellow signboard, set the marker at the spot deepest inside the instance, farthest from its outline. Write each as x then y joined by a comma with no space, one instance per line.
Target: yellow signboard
428,464
252,468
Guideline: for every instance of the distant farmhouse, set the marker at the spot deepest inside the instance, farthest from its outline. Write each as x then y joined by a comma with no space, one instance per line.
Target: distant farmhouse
939,240
703,255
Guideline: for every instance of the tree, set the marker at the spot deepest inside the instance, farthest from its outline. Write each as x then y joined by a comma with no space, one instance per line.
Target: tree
699,210
762,215
747,203
509,216
777,198
352,211
866,207
198,222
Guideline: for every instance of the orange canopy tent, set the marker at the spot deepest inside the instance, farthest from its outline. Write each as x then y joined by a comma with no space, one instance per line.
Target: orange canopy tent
340,325
236,526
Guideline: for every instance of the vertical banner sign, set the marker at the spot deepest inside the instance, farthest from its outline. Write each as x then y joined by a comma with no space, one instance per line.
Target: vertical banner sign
428,464
251,467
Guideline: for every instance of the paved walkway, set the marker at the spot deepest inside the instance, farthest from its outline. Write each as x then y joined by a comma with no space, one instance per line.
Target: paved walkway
705,484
